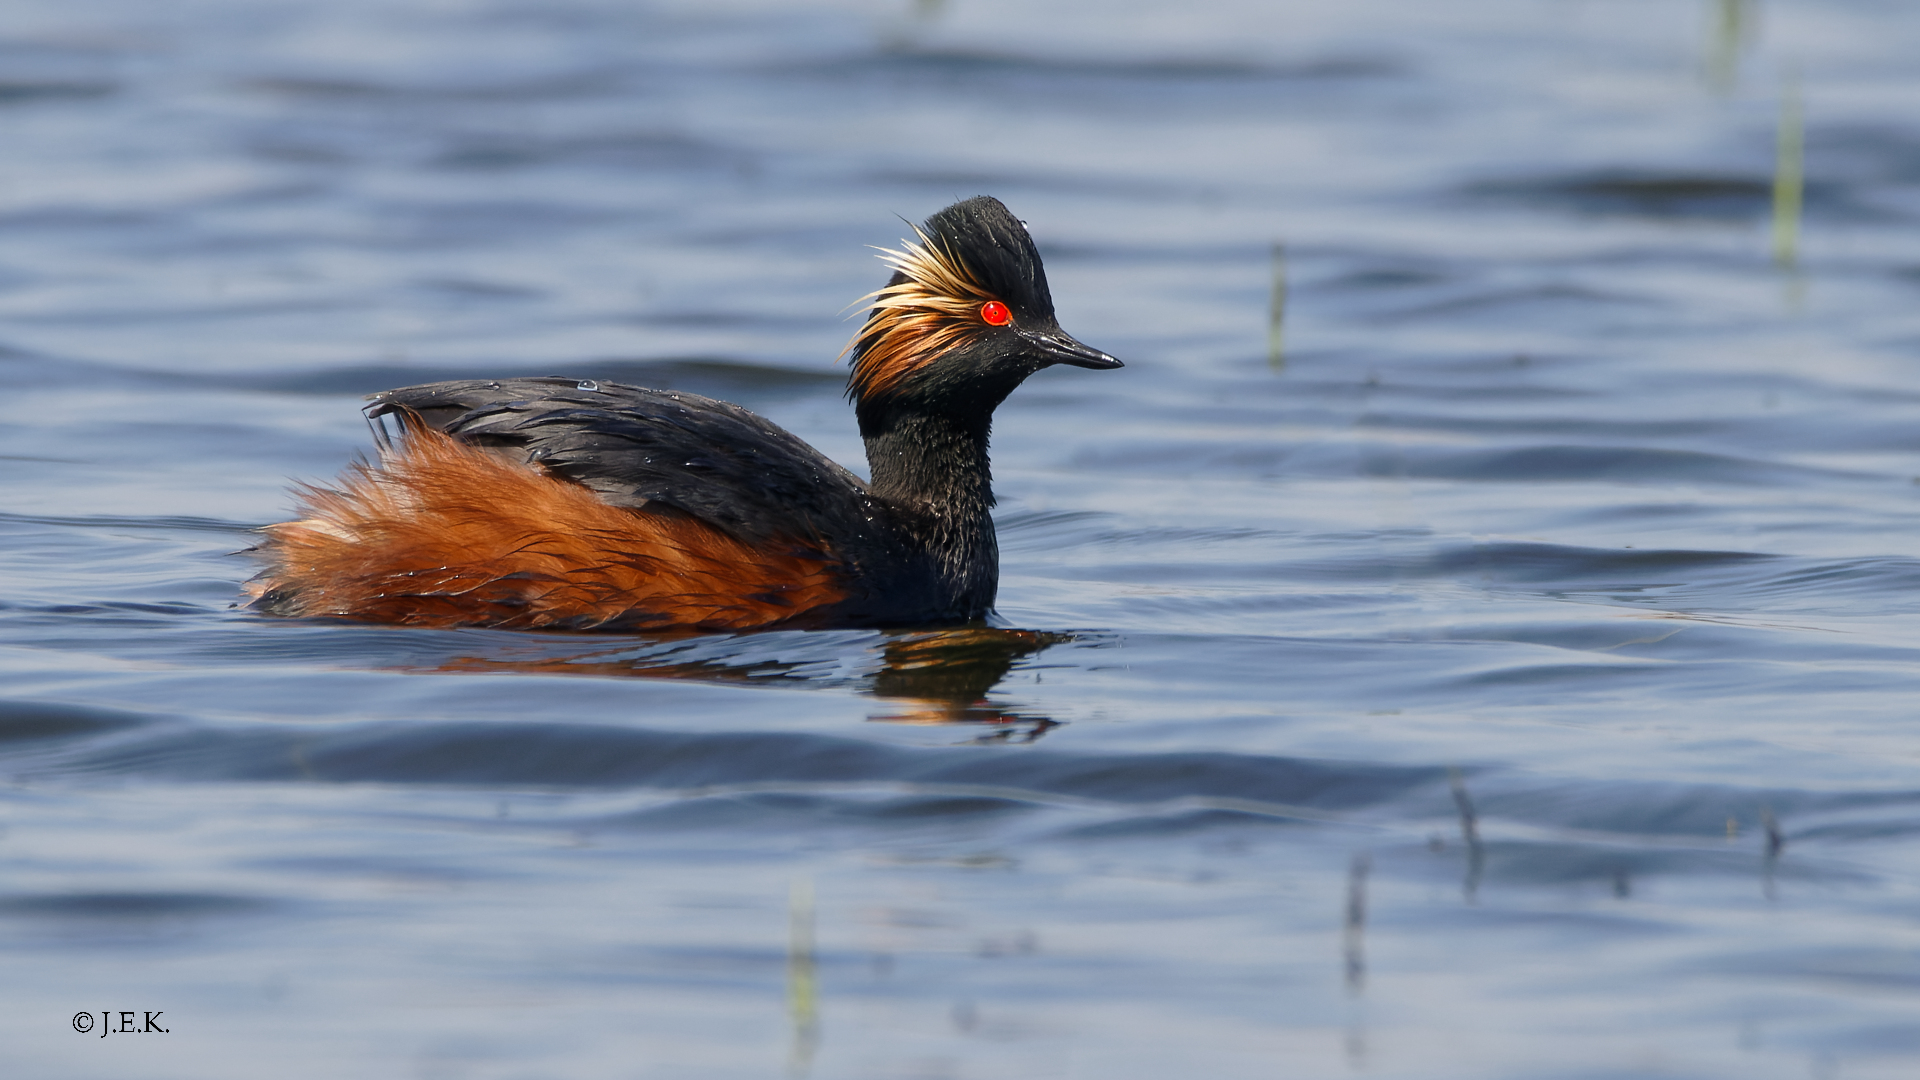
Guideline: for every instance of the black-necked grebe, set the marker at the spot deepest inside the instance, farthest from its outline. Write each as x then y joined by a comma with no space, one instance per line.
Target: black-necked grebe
552,502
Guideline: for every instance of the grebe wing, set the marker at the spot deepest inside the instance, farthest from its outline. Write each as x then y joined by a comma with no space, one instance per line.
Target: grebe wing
632,446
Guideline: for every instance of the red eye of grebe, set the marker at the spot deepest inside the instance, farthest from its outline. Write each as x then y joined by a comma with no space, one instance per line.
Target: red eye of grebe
995,313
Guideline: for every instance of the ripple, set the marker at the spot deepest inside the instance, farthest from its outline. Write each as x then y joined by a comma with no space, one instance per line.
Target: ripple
22,721
20,92
570,756
130,905
1650,194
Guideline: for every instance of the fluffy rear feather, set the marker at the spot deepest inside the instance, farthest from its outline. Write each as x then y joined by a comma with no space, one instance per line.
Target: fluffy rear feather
442,533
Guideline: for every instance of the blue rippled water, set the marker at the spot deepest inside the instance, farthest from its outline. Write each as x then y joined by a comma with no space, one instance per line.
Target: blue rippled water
1500,665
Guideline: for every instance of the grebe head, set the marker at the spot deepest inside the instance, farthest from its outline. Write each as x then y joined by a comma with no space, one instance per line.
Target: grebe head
964,319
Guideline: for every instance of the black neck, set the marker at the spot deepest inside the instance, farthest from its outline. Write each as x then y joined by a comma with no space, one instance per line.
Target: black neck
934,467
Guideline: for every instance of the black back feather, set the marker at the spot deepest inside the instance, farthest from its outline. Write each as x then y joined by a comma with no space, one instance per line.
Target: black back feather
632,446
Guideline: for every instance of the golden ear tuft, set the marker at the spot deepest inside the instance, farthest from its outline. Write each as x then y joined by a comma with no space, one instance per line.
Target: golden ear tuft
910,323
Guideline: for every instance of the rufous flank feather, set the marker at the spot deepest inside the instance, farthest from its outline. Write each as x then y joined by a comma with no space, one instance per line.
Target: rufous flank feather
443,533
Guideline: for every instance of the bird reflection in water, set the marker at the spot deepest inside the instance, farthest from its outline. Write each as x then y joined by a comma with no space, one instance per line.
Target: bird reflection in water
943,678
923,677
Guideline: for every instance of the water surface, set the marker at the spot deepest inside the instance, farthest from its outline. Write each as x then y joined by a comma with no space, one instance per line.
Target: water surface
1503,670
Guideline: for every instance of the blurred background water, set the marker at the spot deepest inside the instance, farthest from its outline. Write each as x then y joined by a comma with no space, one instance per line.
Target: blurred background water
1476,638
